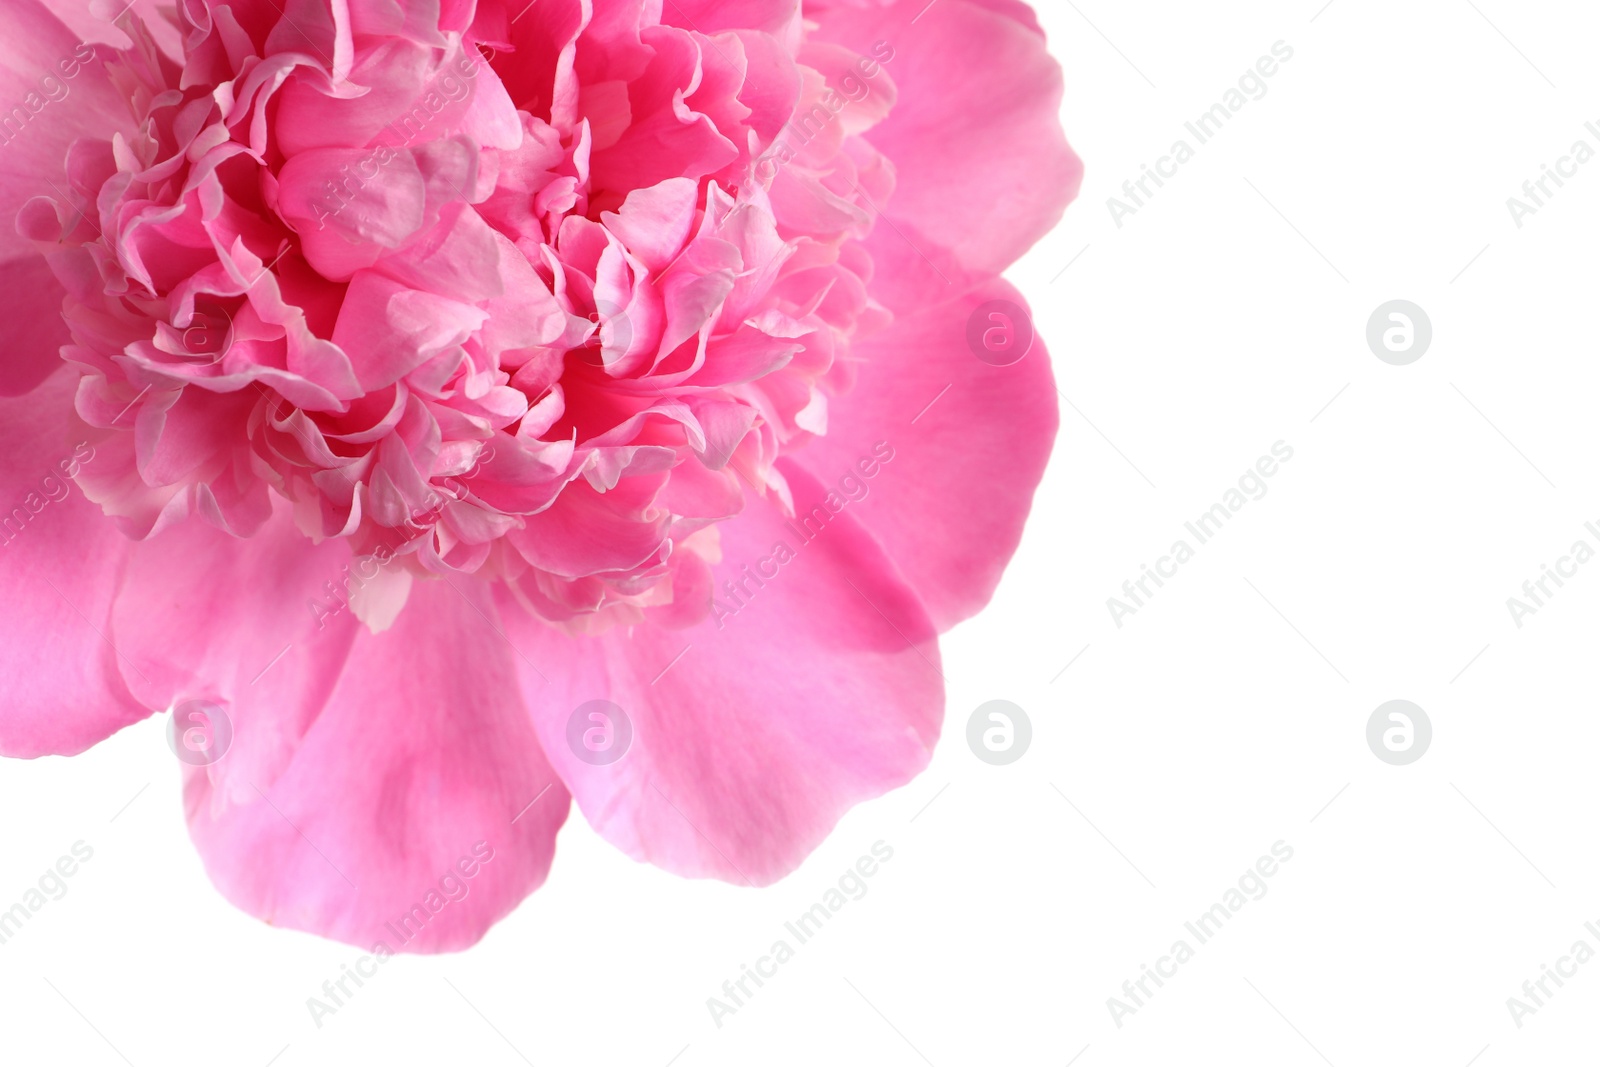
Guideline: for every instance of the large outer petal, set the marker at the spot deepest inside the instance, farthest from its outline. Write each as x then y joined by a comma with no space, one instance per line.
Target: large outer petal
60,689
949,509
823,691
982,167
245,623
423,750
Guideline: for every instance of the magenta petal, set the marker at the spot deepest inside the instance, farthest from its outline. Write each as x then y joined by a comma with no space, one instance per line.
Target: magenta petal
59,562
418,809
949,508
822,691
31,344
709,16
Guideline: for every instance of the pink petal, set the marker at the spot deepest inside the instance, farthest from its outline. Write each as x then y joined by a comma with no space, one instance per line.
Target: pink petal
709,16
821,692
950,506
54,90
655,222
971,81
422,766
192,623
1014,9
30,345
346,223
389,330
59,559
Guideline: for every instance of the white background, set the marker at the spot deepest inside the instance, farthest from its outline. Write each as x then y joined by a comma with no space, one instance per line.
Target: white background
1227,715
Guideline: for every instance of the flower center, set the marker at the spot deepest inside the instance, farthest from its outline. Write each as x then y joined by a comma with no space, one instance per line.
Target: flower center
340,274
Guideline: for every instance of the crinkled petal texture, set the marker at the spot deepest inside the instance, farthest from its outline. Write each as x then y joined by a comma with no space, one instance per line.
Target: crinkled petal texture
426,373
58,91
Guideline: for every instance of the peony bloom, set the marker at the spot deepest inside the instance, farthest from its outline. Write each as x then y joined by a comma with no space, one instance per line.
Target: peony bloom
480,405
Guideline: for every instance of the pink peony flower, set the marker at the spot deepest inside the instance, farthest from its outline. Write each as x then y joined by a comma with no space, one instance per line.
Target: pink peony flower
483,404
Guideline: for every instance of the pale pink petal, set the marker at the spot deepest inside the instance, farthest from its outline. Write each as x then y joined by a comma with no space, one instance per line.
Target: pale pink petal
258,627
950,506
390,330
59,562
822,691
982,170
421,766
654,222
53,90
